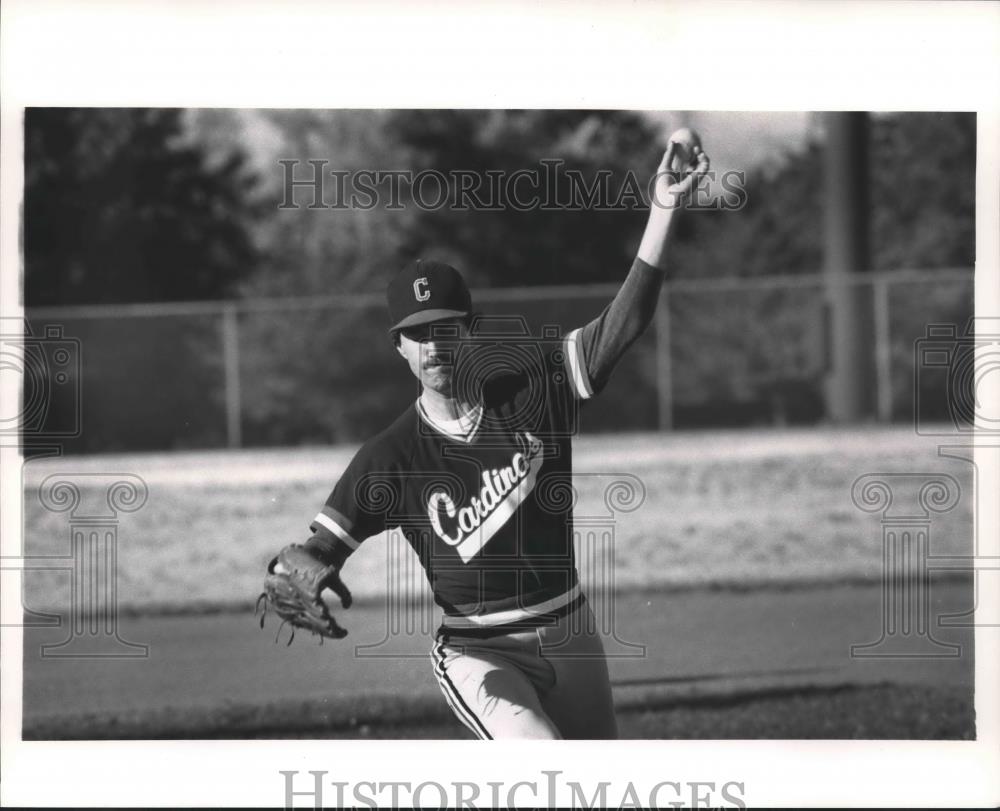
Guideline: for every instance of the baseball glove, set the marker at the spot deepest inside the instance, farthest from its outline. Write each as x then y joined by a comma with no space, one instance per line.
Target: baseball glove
292,587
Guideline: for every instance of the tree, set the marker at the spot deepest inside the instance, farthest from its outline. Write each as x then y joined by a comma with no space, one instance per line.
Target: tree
301,377
924,195
923,174
517,245
302,380
120,207
922,217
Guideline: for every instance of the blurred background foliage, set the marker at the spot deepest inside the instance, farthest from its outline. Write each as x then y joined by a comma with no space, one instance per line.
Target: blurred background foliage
143,205
923,176
168,205
121,206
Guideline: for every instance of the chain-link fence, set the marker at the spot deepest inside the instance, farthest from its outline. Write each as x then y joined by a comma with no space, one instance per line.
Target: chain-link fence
723,352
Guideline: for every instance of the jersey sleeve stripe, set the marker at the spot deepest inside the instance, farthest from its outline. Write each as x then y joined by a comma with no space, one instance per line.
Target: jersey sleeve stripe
577,366
328,523
339,519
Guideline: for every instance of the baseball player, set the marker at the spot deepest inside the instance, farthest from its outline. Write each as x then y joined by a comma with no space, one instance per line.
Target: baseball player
467,474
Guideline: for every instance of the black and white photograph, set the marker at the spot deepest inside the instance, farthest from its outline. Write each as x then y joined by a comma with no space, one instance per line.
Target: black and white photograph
335,430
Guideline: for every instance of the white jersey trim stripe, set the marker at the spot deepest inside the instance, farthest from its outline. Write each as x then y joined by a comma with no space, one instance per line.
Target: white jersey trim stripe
326,521
514,614
578,366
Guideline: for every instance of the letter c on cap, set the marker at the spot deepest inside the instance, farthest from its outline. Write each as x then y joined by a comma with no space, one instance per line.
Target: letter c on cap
420,291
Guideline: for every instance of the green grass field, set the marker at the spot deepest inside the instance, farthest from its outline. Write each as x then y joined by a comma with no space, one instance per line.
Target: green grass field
726,508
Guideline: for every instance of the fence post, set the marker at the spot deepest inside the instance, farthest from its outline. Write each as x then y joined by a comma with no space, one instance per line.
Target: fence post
883,350
231,360
664,383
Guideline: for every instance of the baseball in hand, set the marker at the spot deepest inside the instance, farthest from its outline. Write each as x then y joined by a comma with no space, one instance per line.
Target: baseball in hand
685,140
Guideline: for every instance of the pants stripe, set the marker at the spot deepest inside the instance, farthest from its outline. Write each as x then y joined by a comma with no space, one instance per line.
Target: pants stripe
454,699
450,696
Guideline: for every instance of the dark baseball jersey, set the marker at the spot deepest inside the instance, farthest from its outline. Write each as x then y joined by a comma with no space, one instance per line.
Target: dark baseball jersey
486,509
486,502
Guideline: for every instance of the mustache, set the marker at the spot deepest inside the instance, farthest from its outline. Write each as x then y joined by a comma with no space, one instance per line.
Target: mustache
439,358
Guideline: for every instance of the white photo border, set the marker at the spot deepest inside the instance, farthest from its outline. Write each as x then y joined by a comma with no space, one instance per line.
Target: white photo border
778,56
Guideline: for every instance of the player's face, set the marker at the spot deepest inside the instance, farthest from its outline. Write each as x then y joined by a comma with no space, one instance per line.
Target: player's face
431,349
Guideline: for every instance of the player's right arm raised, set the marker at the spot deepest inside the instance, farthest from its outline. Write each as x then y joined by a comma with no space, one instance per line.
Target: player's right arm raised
602,342
671,191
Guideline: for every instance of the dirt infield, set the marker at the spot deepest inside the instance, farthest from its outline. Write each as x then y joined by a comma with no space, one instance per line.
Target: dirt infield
848,712
697,663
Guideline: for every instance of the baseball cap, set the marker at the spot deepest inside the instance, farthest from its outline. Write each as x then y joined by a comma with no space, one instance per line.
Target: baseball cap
426,291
